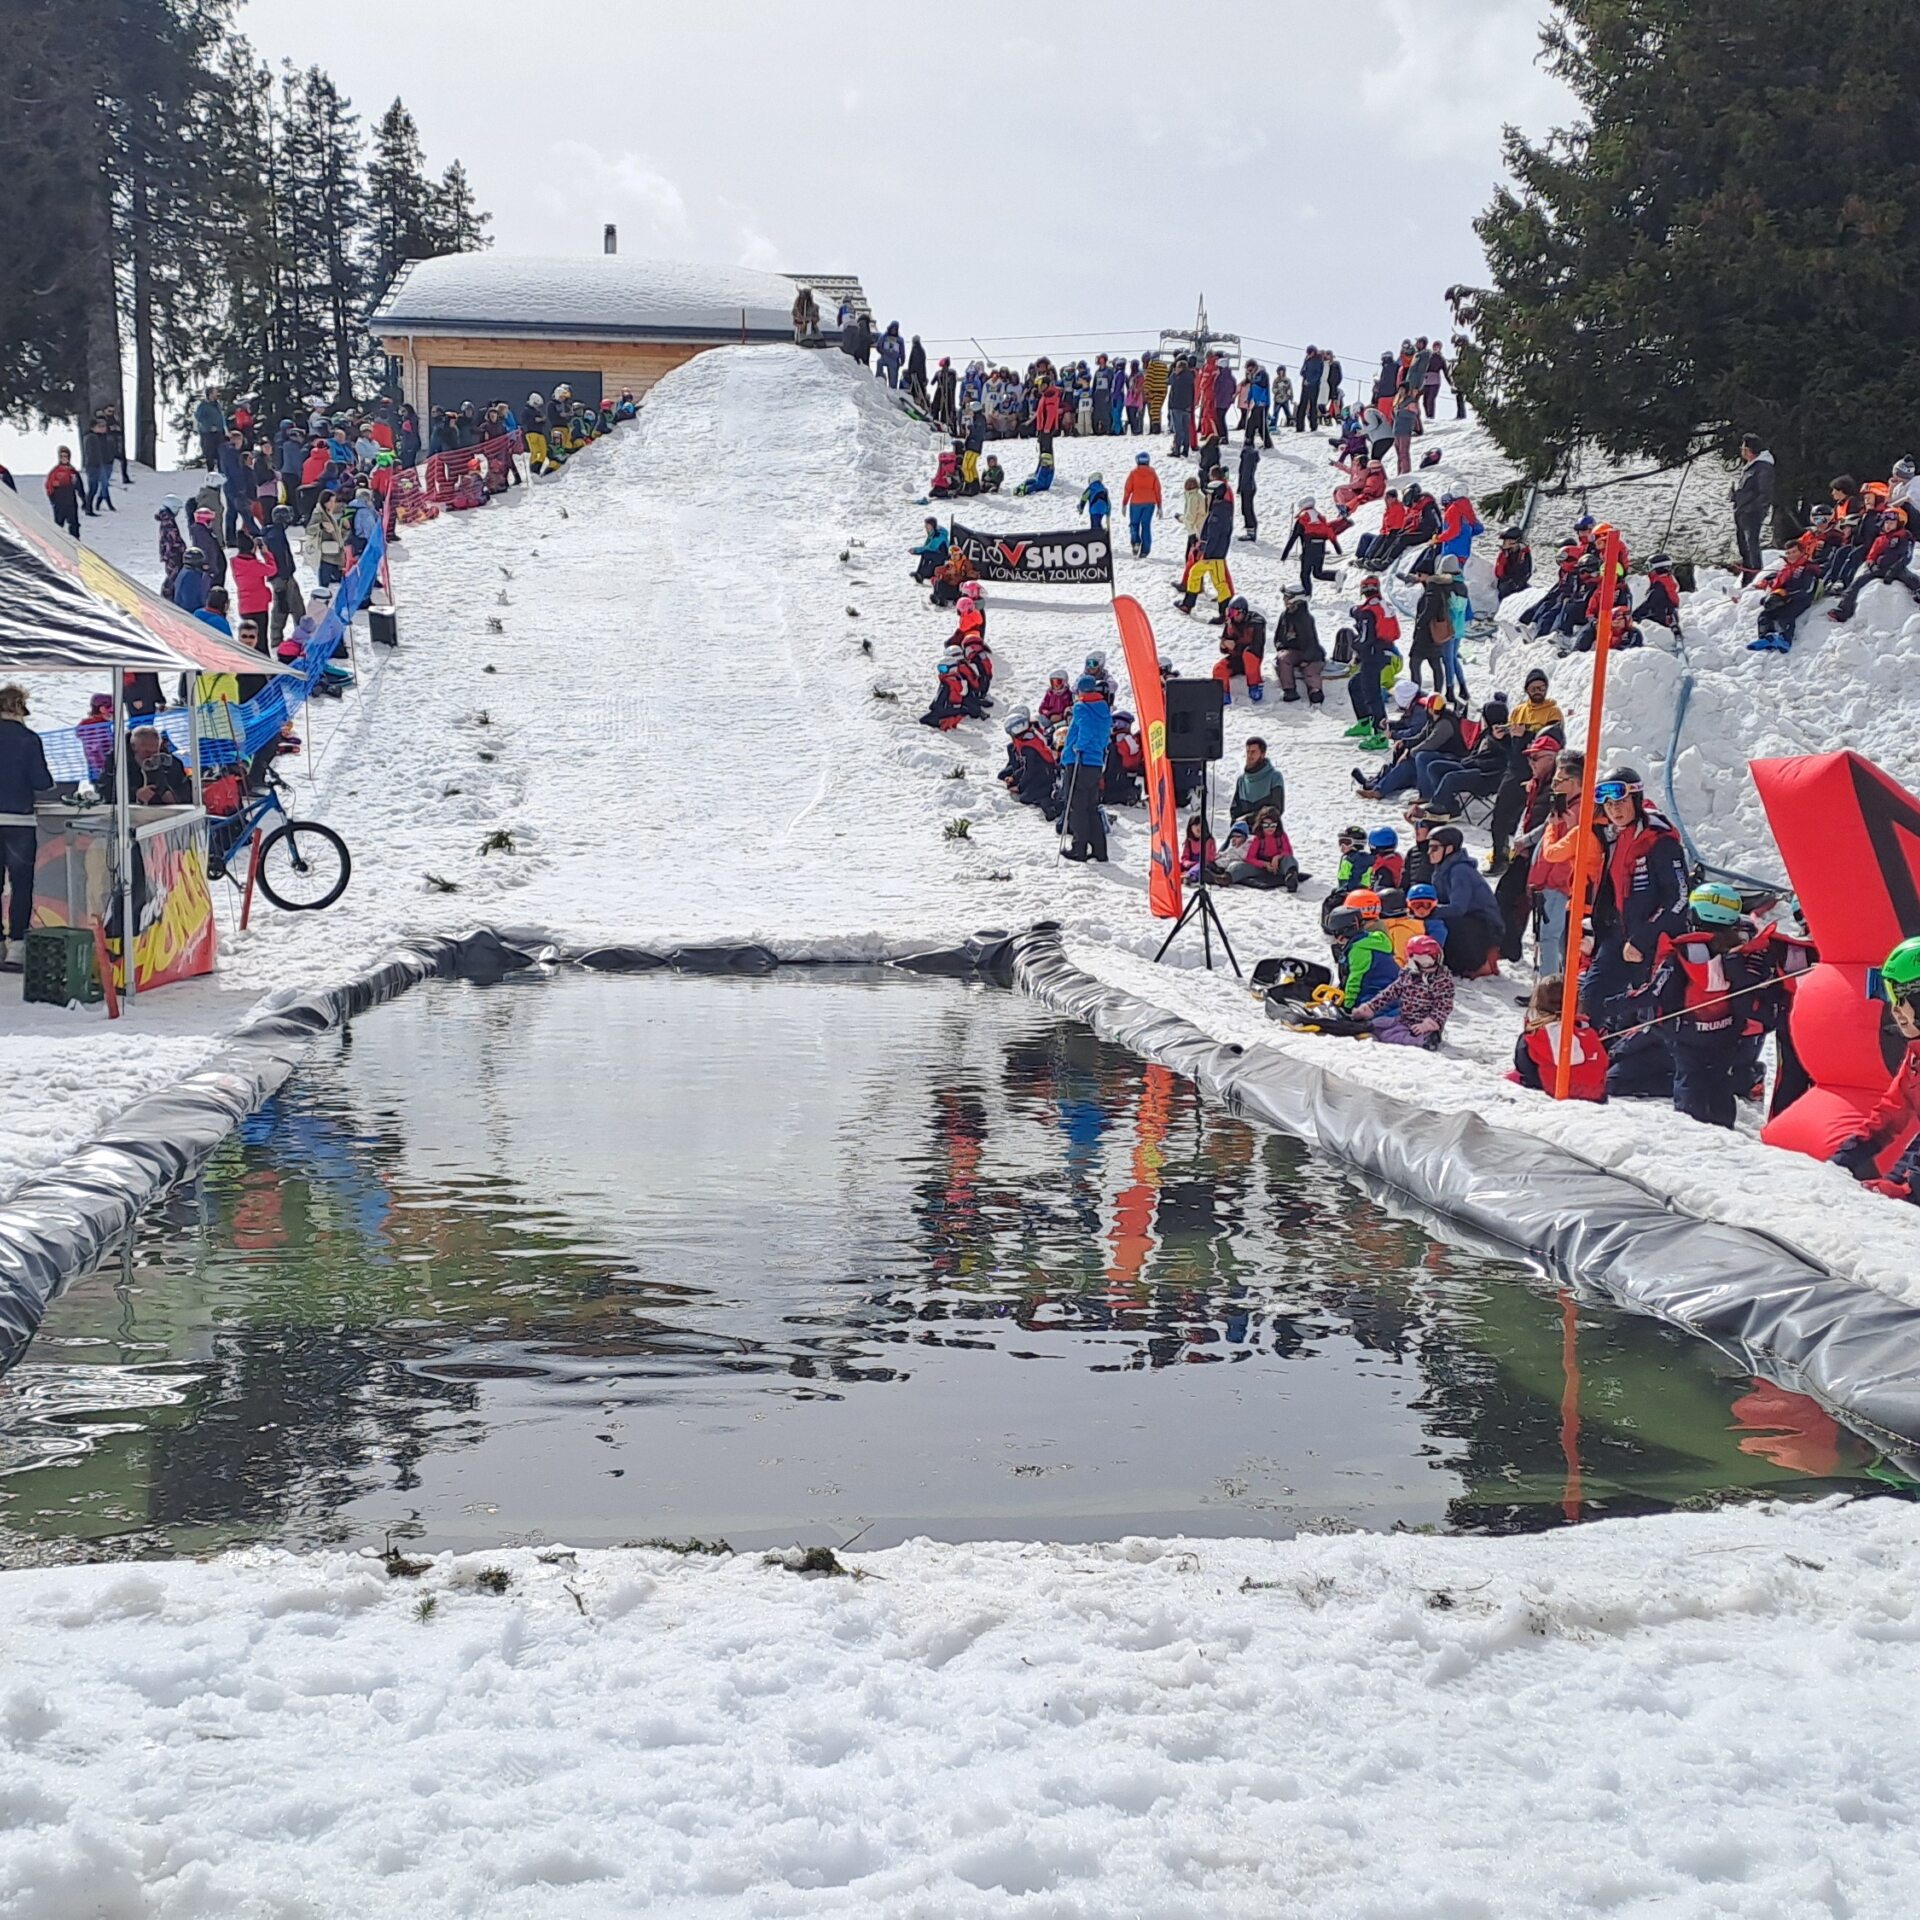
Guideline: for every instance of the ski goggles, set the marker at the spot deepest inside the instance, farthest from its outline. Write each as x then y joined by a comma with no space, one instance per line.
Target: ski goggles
1613,790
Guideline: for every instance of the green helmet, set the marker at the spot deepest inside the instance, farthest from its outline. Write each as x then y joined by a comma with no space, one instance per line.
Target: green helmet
1715,906
1900,976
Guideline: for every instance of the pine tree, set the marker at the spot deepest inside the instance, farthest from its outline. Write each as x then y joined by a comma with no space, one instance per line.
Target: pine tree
55,242
458,225
166,95
1727,242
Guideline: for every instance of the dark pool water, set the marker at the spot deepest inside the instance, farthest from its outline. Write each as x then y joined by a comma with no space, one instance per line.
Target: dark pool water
595,1259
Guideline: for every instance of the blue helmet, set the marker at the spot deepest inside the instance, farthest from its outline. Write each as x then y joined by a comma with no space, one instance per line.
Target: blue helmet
1421,891
1086,684
1382,840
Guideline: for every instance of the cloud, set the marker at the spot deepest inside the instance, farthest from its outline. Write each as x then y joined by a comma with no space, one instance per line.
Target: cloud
627,179
756,250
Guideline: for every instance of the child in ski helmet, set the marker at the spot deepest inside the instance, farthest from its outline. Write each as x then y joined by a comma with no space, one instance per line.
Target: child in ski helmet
1898,1110
1413,1008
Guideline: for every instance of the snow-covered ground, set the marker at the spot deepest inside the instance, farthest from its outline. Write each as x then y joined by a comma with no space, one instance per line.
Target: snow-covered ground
661,679
1690,1717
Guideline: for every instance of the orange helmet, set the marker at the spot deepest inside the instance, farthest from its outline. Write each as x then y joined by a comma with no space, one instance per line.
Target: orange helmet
1365,902
1876,491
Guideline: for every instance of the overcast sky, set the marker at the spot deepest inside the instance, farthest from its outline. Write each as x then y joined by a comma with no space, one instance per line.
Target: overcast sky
1047,170
1050,168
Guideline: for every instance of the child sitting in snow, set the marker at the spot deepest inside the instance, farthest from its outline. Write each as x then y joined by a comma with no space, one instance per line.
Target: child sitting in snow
946,474
1040,480
1266,859
993,476
1056,704
1198,851
1413,1008
1537,1052
951,695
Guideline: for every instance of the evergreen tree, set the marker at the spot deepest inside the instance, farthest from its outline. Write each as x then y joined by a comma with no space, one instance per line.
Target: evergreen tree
326,203
167,95
458,225
55,242
1726,242
401,206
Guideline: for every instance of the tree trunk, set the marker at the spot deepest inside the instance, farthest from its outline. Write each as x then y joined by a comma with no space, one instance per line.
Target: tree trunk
146,423
102,385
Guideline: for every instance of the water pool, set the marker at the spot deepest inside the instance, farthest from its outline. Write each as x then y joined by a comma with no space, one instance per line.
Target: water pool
600,1259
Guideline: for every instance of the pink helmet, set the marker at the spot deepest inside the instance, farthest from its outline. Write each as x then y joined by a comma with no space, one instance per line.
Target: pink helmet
971,591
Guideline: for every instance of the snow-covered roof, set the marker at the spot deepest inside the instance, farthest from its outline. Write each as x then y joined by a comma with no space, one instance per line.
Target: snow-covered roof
593,294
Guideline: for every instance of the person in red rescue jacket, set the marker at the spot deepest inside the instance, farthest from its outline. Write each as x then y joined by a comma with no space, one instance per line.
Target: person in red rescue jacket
1513,564
1536,1056
64,488
1897,1113
1314,533
1661,603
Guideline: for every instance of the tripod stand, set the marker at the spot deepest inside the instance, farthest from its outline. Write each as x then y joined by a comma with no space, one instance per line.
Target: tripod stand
1200,906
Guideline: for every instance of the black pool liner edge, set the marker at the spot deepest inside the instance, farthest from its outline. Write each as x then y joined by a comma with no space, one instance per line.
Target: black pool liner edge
1852,1348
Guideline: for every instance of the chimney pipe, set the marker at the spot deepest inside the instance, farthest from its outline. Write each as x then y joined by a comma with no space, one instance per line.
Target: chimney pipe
610,238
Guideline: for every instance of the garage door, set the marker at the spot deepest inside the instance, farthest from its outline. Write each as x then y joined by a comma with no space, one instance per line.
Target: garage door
455,386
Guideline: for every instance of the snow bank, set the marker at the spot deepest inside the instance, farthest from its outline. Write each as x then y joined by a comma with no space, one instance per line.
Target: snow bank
1687,1717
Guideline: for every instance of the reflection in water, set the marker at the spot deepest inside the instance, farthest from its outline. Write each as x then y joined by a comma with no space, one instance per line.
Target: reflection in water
599,1259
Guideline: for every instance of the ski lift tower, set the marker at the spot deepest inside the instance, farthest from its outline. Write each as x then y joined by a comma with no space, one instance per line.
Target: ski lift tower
1199,340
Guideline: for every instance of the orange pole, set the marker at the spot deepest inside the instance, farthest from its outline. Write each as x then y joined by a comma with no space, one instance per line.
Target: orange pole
1610,559
253,873
103,961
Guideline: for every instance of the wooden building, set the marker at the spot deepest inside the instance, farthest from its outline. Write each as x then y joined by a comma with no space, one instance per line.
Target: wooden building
490,326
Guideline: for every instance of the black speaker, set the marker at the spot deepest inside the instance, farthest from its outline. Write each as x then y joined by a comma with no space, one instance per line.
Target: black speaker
1196,725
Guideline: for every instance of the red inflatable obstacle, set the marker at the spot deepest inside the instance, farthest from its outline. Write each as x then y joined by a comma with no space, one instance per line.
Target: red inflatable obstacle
1851,840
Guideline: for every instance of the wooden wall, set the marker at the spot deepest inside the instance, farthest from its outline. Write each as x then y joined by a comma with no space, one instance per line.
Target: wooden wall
622,363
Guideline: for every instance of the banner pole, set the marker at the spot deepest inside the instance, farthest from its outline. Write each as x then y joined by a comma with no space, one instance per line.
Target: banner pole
1583,847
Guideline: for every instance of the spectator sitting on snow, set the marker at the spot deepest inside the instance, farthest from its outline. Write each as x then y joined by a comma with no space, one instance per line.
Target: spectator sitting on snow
1243,640
993,476
951,694
1299,658
1128,754
1889,560
1536,1054
1095,669
1661,602
1513,564
1266,860
1364,964
1033,766
955,572
1413,1008
1260,784
1056,704
1199,852
932,549
1789,592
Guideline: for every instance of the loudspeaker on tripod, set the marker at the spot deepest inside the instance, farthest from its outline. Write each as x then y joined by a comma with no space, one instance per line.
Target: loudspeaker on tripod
1196,723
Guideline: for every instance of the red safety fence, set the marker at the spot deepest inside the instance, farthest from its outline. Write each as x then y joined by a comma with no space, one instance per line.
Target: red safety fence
451,481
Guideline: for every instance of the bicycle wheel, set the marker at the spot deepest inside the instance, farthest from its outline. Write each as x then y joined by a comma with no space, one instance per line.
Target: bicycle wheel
304,866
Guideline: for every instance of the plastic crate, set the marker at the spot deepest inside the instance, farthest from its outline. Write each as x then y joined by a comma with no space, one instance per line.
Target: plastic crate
58,967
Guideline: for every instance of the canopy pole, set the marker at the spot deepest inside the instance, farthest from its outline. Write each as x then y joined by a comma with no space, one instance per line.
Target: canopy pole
123,830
